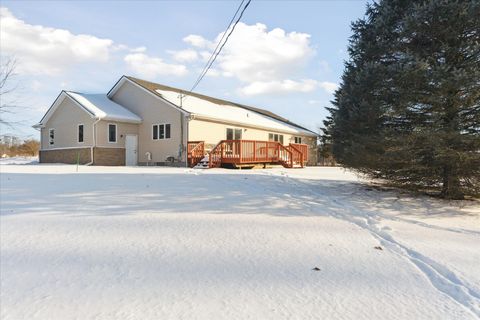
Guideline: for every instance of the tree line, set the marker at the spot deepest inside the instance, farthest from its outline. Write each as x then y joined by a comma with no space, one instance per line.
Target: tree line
28,147
408,107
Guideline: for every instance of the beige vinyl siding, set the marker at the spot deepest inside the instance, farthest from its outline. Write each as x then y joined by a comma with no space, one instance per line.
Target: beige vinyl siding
152,110
65,121
122,130
212,132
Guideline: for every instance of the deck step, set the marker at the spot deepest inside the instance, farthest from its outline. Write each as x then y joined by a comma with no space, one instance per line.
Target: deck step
202,164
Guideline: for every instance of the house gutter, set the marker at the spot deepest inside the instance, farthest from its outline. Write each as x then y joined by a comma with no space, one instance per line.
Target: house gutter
94,139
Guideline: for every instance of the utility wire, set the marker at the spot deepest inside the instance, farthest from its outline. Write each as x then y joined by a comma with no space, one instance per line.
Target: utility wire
218,45
215,53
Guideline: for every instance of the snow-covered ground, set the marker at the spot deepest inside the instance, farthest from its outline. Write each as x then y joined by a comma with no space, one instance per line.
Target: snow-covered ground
19,160
171,243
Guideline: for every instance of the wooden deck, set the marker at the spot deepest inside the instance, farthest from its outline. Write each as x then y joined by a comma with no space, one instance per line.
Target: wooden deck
251,152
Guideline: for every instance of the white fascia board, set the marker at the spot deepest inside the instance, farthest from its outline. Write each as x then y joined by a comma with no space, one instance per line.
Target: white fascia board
61,97
121,120
196,116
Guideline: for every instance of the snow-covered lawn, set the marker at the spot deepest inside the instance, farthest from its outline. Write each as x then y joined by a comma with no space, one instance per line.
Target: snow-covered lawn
19,160
166,243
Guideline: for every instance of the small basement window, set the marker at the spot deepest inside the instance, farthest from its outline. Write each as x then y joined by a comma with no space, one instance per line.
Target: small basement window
51,136
112,133
161,131
80,133
298,139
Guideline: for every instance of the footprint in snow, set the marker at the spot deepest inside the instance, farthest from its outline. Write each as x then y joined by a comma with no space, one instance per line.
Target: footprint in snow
378,248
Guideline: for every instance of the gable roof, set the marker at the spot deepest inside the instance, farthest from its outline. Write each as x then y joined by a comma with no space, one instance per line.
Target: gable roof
104,108
98,106
218,109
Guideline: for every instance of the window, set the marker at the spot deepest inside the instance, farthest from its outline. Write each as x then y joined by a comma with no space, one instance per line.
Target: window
112,133
275,137
167,131
51,136
234,134
298,139
161,131
80,133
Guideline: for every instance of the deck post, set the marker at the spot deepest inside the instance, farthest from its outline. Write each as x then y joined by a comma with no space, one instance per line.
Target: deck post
254,150
239,150
221,153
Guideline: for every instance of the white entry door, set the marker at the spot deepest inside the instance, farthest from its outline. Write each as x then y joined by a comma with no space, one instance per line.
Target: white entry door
131,146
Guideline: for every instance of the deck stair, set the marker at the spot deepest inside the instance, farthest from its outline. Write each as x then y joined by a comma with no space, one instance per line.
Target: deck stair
195,152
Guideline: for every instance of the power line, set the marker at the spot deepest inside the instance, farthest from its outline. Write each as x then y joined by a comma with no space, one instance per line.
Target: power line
215,53
218,44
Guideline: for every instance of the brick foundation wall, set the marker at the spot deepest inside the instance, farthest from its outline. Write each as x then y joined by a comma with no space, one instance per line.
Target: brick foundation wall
102,156
164,164
108,156
65,156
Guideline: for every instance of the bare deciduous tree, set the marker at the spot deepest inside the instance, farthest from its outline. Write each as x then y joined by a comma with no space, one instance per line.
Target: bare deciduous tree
7,87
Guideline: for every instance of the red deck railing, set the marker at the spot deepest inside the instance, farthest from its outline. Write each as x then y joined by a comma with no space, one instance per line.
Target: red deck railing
195,152
253,151
296,154
303,148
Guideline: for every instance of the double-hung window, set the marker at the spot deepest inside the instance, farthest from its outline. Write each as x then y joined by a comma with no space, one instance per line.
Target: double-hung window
161,131
112,133
298,139
51,136
80,133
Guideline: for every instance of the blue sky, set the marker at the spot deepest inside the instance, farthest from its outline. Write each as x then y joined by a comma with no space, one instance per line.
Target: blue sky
285,56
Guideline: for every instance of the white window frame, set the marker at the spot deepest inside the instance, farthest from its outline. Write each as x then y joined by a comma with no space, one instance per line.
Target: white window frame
51,142
164,131
108,132
233,133
153,131
297,138
78,133
278,137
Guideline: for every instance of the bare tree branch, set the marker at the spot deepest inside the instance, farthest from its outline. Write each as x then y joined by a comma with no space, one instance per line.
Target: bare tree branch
7,87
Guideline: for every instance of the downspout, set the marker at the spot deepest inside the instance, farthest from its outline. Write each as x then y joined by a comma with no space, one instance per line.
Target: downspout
94,140
186,119
181,153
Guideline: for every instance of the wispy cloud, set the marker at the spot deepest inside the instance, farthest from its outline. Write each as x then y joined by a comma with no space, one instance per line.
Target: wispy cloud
287,86
187,55
151,67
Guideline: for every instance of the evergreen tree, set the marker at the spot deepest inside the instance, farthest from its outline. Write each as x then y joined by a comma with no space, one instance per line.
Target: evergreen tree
408,108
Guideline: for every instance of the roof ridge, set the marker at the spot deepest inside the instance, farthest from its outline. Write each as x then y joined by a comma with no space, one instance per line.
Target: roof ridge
103,94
